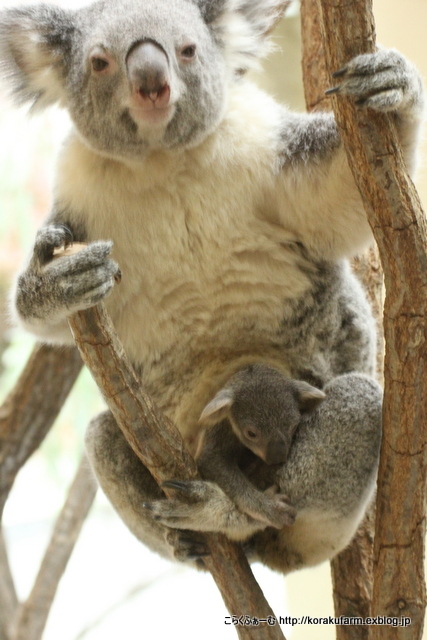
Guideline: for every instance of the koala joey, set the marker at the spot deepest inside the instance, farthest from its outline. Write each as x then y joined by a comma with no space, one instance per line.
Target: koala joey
328,478
231,219
259,409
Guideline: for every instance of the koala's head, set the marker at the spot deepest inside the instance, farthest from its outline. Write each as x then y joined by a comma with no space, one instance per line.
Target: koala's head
135,74
264,408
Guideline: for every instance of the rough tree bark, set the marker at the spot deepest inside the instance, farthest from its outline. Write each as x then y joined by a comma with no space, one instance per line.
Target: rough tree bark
399,226
158,444
351,569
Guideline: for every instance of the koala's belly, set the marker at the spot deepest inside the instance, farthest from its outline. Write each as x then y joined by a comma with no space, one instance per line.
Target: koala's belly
205,278
188,326
188,321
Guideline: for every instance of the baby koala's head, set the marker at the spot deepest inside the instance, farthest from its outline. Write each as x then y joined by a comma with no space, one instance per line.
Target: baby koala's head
264,408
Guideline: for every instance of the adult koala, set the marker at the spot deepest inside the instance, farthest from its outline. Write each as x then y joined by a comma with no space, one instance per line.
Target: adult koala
231,218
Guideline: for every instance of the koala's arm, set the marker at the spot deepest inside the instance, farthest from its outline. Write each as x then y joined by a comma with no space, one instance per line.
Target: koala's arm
218,461
47,291
318,198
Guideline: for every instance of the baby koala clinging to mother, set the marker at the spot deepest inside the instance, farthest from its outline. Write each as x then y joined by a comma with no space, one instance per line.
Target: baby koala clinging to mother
258,409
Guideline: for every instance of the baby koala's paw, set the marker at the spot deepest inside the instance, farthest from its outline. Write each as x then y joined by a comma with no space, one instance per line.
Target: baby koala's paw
273,508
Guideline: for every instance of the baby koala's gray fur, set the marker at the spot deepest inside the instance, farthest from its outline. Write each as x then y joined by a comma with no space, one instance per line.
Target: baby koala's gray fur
259,410
326,480
231,219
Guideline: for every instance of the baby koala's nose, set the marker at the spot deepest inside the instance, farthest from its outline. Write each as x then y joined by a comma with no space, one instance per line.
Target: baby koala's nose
277,452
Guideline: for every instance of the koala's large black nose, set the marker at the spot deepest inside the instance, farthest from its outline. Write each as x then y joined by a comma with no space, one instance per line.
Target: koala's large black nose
148,71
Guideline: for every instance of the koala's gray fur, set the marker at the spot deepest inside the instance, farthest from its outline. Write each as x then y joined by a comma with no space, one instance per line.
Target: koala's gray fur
231,220
259,410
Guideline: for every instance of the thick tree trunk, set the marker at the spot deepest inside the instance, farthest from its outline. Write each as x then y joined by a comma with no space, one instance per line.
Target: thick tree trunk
399,225
351,569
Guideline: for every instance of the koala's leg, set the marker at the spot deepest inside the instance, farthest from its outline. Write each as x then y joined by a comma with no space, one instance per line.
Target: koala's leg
329,476
128,485
354,345
203,506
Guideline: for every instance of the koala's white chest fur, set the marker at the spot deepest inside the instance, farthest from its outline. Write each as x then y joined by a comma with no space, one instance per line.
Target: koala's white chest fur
205,274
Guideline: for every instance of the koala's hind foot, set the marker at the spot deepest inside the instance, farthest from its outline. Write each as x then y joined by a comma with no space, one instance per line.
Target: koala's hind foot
384,81
202,506
188,545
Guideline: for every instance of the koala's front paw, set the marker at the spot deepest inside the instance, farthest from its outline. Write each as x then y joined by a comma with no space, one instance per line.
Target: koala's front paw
85,278
53,289
384,81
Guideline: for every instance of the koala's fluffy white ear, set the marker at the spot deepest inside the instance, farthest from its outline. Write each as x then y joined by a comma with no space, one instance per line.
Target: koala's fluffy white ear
34,44
242,26
308,397
217,409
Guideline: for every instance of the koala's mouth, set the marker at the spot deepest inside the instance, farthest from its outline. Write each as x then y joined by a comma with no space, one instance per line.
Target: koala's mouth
152,108
154,115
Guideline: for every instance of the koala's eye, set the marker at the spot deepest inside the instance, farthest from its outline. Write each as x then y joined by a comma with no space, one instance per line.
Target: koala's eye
99,64
251,434
189,52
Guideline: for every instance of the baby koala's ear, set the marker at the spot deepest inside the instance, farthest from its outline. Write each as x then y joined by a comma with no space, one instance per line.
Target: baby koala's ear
308,397
218,408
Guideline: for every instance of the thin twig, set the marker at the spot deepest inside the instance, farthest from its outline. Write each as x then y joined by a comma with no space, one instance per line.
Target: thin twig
33,614
29,411
8,597
159,445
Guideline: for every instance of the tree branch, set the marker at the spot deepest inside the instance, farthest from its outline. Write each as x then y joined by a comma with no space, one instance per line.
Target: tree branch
8,598
159,445
399,225
33,614
31,408
352,568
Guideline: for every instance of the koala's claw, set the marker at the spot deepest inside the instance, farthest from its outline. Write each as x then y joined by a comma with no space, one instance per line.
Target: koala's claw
202,507
187,545
340,72
49,238
69,234
191,490
383,81
275,512
272,508
177,485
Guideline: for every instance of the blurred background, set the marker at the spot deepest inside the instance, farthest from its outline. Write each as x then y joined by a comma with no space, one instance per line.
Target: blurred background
113,585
